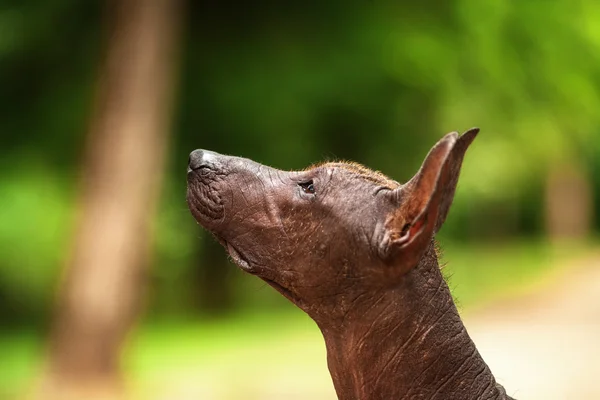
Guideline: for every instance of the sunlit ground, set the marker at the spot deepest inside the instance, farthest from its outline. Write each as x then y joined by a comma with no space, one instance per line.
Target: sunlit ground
281,355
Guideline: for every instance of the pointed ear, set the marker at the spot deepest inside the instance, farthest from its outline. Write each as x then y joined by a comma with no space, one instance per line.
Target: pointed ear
424,202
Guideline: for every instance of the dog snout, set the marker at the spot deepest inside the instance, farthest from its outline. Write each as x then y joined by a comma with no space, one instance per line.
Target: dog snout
201,159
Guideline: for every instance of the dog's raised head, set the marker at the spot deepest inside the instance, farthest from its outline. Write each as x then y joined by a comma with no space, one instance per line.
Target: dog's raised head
327,236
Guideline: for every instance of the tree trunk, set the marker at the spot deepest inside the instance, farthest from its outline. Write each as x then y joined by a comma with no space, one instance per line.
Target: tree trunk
123,166
569,204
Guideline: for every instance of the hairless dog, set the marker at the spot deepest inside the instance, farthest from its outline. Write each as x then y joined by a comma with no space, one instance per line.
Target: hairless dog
355,250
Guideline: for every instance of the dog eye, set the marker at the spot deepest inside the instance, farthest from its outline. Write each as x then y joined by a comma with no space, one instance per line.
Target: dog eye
308,187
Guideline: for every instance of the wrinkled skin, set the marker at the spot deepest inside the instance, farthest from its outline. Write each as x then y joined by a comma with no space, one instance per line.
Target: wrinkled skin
355,250
274,228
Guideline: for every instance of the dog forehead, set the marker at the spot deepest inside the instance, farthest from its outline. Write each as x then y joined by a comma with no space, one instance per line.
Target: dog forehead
359,171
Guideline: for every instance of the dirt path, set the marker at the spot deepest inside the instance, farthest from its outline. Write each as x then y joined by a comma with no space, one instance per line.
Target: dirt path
546,346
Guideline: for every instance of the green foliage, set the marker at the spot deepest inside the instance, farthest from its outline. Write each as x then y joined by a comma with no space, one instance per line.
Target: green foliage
290,84
35,210
529,71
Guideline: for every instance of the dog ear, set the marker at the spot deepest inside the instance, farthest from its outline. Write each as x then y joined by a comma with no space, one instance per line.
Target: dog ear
423,202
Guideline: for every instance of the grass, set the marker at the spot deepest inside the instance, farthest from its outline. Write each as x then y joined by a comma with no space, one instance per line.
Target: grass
21,356
226,359
250,355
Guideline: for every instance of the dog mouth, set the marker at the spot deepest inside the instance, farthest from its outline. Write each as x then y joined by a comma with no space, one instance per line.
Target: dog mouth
250,268
237,258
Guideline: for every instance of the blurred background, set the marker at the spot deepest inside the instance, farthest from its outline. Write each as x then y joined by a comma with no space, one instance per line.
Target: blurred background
109,288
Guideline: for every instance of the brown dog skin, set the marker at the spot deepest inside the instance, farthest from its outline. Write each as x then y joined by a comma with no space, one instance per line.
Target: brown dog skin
355,250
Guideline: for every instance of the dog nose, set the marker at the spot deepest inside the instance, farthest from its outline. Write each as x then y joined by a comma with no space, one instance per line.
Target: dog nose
195,160
200,158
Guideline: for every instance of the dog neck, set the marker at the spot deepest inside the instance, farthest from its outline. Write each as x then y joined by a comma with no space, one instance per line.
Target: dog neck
408,342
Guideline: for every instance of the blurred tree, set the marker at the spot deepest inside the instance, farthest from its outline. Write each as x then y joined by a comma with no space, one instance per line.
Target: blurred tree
123,167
